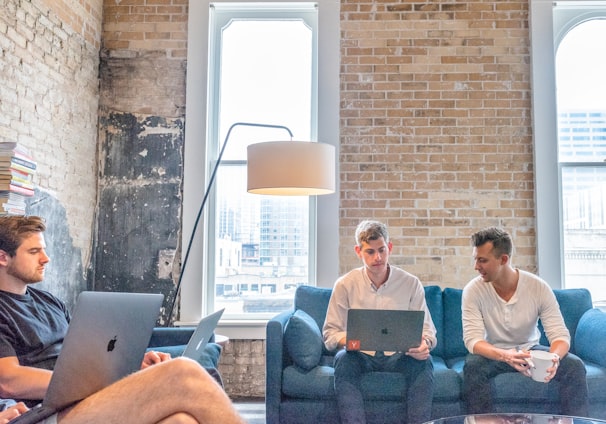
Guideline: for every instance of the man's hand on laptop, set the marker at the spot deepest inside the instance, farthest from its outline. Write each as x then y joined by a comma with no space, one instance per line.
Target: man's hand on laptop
152,357
420,353
11,412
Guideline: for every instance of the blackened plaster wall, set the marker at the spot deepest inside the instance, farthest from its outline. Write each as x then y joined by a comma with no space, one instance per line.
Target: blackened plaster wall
64,276
139,203
141,133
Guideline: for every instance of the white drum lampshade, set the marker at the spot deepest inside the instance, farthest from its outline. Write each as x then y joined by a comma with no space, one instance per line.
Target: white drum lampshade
291,168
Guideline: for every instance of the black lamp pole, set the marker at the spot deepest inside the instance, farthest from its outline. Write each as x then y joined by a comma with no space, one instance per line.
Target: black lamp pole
204,199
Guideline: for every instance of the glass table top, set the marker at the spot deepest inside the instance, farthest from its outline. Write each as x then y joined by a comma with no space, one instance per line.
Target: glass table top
521,418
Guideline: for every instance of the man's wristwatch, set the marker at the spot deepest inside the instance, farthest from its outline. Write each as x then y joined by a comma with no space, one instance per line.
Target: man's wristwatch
428,342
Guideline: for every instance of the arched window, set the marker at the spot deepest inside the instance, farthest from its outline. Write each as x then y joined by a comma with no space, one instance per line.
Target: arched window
581,108
569,92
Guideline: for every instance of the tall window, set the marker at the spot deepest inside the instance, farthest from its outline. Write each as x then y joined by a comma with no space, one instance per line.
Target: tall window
581,108
205,131
263,70
569,116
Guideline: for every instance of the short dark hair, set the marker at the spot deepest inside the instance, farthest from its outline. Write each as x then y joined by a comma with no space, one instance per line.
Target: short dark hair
371,230
15,228
501,240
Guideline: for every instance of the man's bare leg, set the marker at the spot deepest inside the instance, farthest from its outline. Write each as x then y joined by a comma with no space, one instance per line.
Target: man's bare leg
164,393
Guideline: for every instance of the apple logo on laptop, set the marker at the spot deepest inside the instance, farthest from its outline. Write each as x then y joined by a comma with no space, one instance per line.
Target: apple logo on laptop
112,344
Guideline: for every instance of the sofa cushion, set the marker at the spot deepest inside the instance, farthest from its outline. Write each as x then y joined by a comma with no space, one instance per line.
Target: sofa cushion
590,337
317,383
171,336
596,383
303,340
433,298
314,301
447,387
453,324
208,359
573,304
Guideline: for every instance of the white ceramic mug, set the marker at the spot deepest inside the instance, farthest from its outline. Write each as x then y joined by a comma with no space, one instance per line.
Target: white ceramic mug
541,360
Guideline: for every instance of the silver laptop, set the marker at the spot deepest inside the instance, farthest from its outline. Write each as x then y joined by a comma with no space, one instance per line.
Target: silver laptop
202,335
105,341
384,330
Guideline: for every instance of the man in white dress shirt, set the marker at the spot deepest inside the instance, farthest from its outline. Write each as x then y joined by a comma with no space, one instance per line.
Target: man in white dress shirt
378,285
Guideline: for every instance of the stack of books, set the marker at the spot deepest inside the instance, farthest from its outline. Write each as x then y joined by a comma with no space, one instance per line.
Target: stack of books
17,169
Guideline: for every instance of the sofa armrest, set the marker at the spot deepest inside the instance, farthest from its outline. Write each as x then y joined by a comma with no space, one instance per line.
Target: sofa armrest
170,336
274,362
590,337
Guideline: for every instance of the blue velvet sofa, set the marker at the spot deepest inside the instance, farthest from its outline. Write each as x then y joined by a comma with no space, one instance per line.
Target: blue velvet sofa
299,379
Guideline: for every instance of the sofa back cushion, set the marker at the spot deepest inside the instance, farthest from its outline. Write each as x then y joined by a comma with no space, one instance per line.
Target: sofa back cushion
433,298
445,308
453,324
590,337
303,340
314,301
573,304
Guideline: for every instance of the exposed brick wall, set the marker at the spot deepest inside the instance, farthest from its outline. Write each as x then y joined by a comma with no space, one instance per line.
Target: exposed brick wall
144,56
146,25
242,367
48,102
82,16
436,130
435,120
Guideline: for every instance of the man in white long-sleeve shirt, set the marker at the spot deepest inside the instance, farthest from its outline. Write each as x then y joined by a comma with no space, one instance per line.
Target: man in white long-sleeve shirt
501,308
378,285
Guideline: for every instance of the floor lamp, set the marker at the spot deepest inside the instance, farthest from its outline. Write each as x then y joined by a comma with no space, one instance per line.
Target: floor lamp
285,168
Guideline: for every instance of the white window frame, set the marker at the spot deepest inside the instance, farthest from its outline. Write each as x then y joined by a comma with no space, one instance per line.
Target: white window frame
221,18
546,31
193,294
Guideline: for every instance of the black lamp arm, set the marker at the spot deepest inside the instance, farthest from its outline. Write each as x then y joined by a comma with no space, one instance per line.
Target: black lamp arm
204,199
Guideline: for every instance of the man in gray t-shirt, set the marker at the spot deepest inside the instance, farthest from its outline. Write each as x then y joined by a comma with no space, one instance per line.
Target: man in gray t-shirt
31,335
